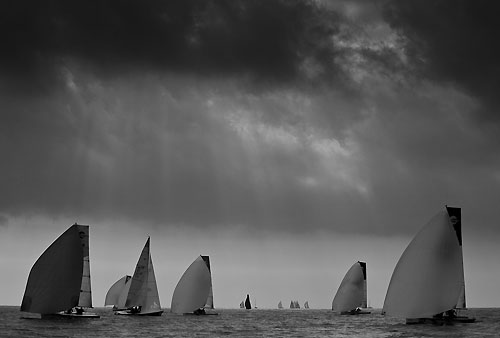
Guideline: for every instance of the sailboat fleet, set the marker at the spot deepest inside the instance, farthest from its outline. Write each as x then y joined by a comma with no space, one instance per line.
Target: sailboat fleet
427,285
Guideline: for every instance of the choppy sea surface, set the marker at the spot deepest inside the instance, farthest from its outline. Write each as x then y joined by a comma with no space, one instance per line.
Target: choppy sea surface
244,323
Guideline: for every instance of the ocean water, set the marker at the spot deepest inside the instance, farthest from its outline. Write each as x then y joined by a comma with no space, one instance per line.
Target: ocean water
244,323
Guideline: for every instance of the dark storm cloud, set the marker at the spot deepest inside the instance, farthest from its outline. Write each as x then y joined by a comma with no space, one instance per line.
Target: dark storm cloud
268,40
202,113
453,42
87,130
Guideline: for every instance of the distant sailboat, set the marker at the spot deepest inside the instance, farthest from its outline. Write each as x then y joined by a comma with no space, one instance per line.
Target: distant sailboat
142,297
242,304
427,284
117,294
306,305
351,294
59,281
193,294
296,304
280,305
248,305
292,305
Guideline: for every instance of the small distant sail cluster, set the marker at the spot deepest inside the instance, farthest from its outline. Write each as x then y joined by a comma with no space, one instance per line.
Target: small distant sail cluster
294,304
427,285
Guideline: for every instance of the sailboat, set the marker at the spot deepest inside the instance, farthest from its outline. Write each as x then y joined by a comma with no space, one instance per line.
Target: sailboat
142,297
118,292
280,305
59,281
193,293
306,305
428,284
296,304
248,305
351,294
242,304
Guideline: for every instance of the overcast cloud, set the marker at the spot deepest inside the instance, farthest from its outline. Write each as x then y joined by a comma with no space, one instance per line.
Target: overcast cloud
279,115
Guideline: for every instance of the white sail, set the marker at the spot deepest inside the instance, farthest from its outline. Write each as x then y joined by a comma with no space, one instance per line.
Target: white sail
351,292
56,277
85,299
193,288
428,277
118,292
143,290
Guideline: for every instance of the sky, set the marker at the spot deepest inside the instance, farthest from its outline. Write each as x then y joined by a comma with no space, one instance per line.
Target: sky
285,139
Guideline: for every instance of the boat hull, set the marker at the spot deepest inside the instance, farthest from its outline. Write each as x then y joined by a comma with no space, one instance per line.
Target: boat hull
441,321
201,314
85,315
354,313
128,313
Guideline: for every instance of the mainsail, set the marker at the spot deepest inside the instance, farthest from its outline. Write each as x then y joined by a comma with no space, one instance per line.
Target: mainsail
118,292
143,290
351,293
193,289
248,305
428,278
55,279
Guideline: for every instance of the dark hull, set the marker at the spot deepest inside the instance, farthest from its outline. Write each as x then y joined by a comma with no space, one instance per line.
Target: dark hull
85,315
441,321
354,313
128,313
